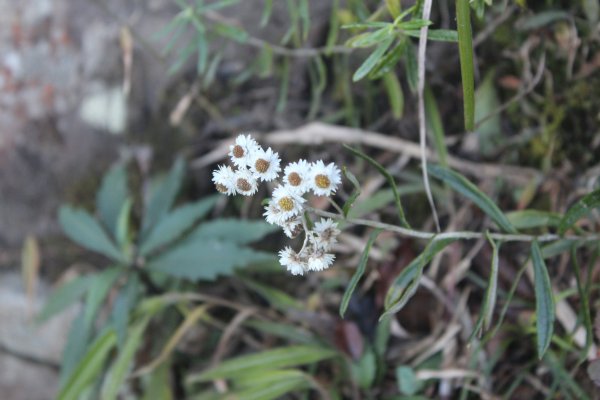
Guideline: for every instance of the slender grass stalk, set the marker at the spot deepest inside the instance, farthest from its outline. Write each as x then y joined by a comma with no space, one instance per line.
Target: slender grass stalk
465,49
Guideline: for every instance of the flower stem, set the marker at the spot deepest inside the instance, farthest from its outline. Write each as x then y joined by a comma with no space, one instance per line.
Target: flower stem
468,235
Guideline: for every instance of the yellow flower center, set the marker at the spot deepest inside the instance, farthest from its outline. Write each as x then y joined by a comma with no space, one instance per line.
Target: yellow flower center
286,203
221,188
322,181
261,165
243,185
238,151
294,179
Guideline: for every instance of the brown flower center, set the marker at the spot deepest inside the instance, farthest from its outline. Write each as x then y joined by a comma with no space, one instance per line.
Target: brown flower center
221,188
286,203
243,185
294,179
322,181
238,151
261,165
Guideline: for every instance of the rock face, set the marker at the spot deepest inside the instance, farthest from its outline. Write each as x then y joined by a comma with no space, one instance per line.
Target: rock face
29,353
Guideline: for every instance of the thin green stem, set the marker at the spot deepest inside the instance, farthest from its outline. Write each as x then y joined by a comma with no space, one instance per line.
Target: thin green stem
467,235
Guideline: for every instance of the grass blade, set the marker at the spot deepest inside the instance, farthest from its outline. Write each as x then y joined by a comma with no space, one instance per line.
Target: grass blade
470,191
585,302
544,300
465,49
372,60
360,270
388,177
487,311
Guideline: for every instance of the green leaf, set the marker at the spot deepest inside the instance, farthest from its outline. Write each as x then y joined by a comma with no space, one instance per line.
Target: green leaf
465,50
360,270
84,230
355,193
527,219
387,63
487,119
231,32
111,197
578,210
275,390
99,289
407,380
592,11
372,60
436,127
123,234
162,196
158,384
174,224
204,260
283,357
395,95
439,35
538,20
369,39
388,177
584,297
232,230
283,330
489,303
122,307
407,282
410,64
364,370
470,191
394,7
89,368
118,371
64,296
266,15
544,300
75,348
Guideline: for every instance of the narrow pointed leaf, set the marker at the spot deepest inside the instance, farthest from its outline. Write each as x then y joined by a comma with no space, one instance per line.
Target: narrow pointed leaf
465,50
390,179
544,300
360,270
89,368
355,193
469,190
84,230
407,282
111,197
162,196
372,60
527,219
579,210
176,223
282,357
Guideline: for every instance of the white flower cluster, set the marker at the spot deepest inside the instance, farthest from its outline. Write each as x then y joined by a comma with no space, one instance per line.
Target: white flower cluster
287,205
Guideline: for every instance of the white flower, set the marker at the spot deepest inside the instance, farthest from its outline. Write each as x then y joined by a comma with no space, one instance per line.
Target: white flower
224,179
319,261
288,201
273,214
265,164
297,176
325,234
294,262
324,179
245,183
242,151
292,227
